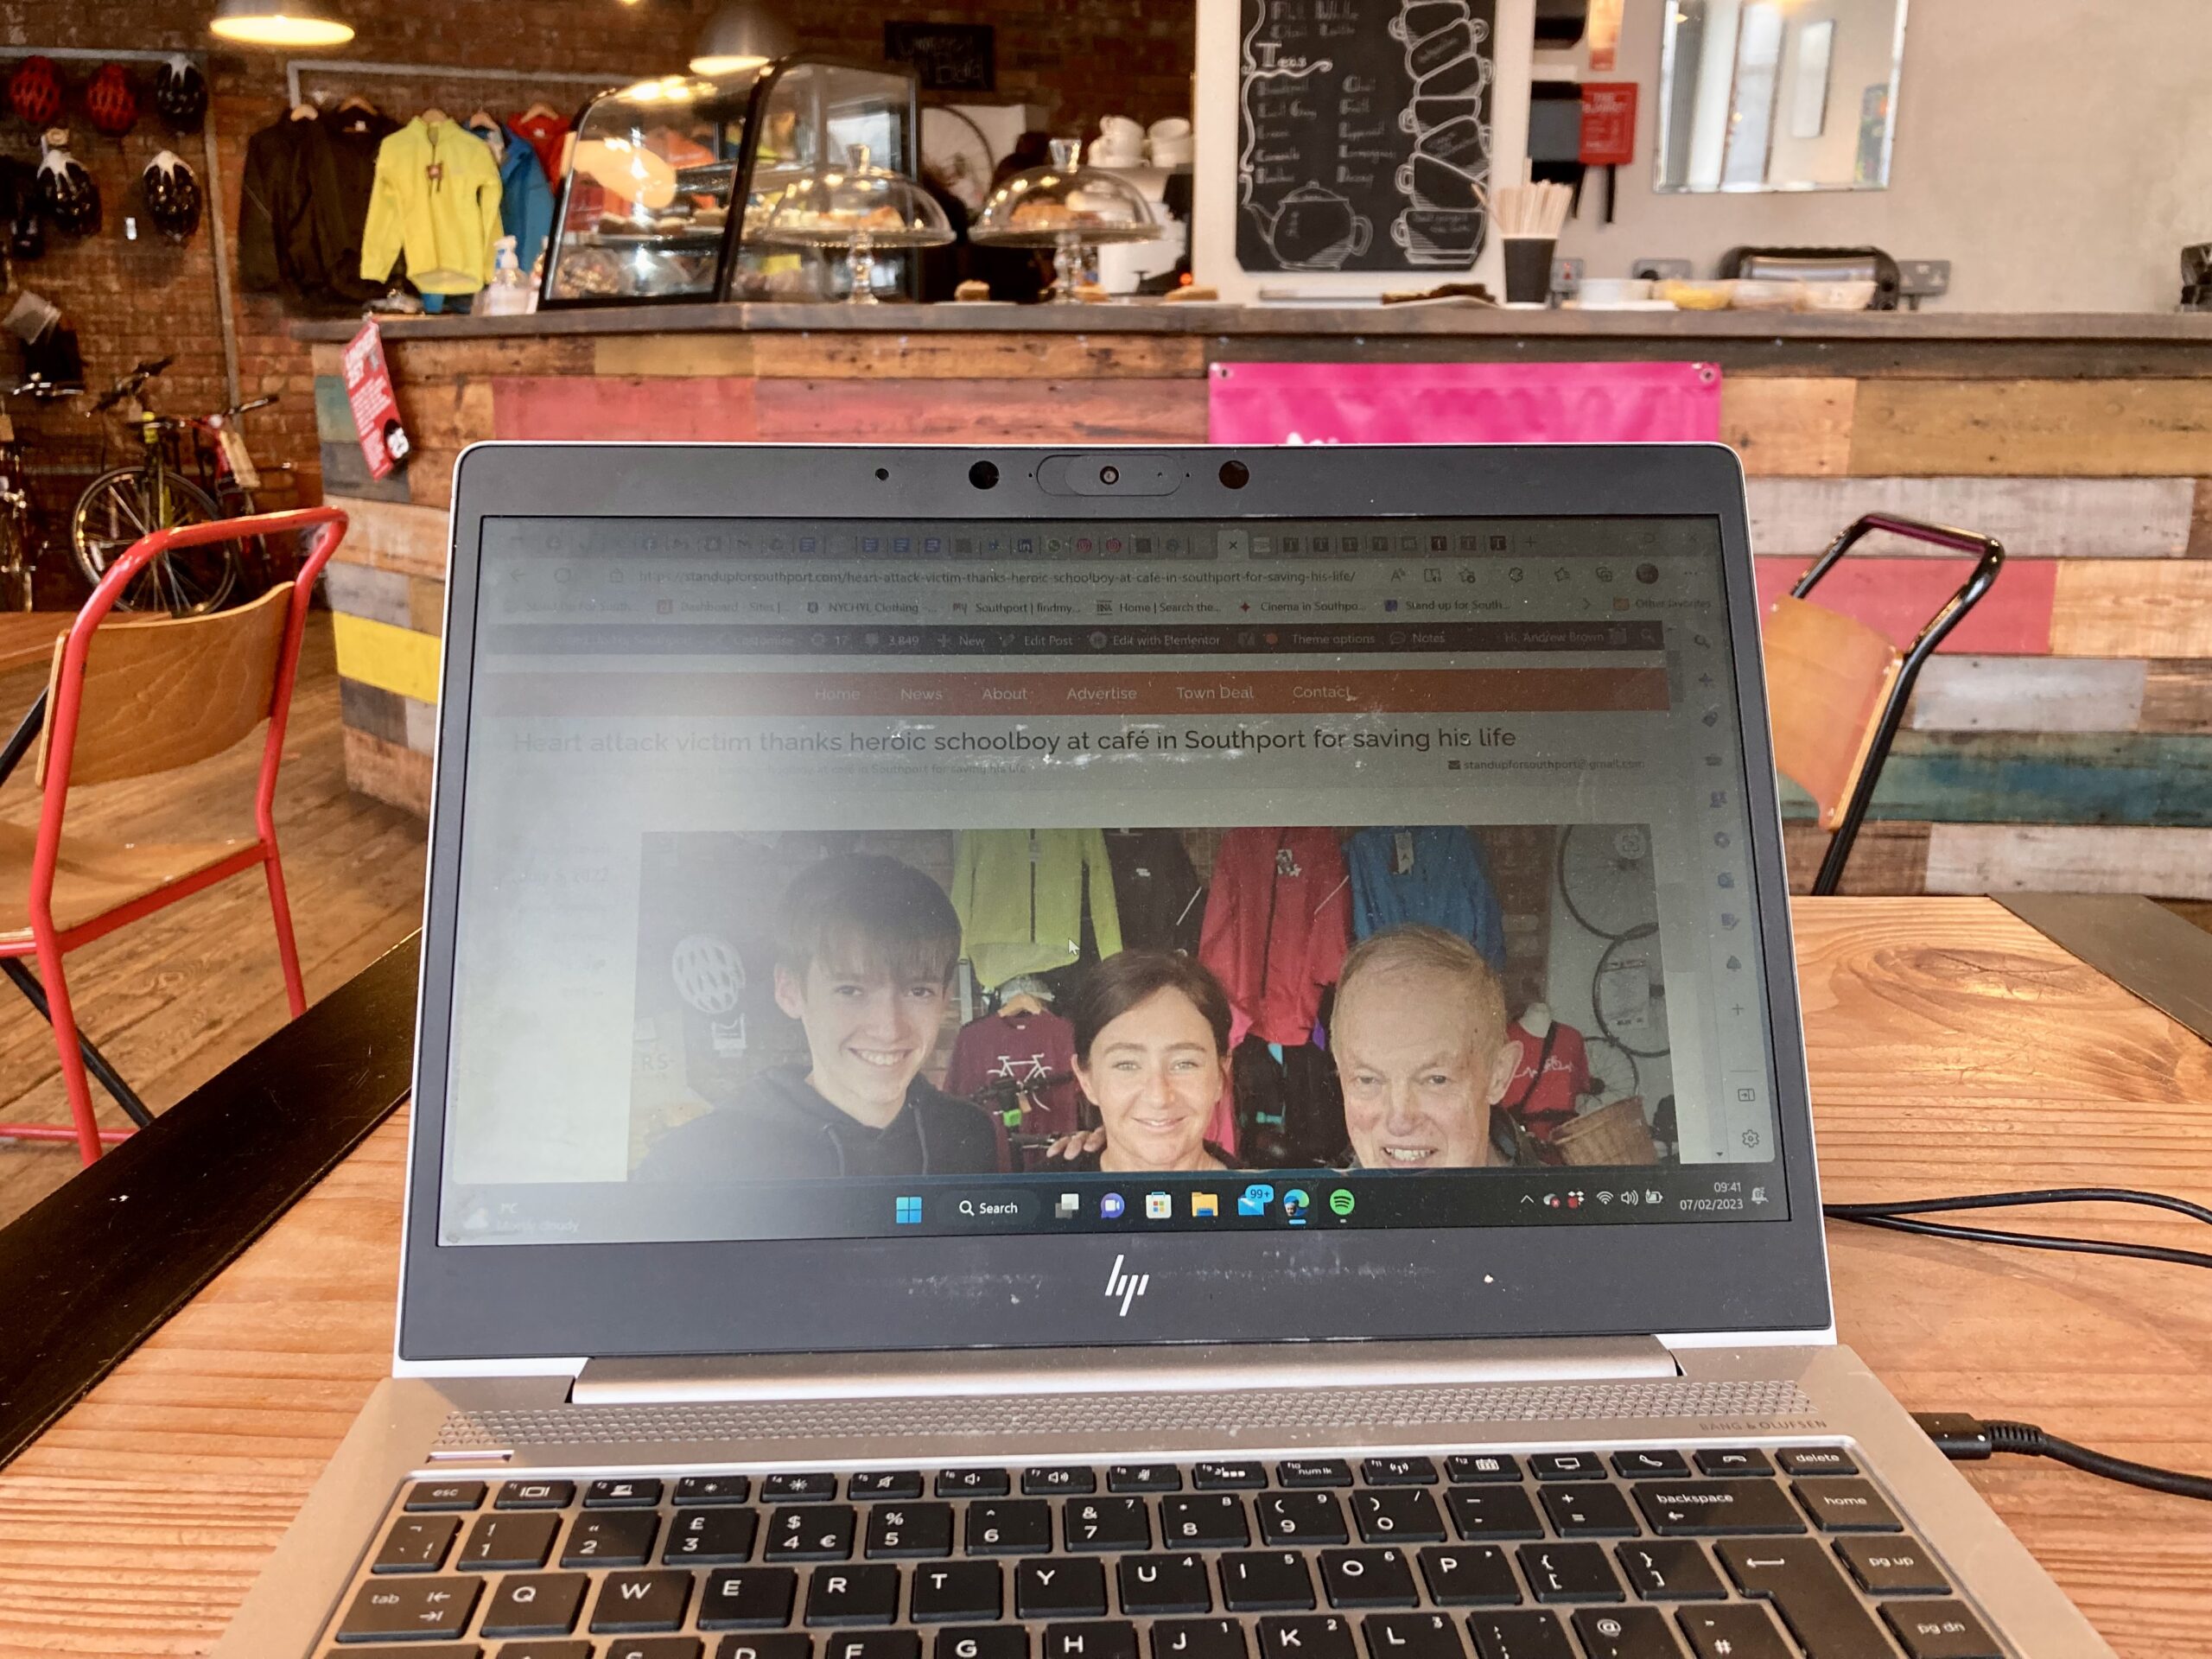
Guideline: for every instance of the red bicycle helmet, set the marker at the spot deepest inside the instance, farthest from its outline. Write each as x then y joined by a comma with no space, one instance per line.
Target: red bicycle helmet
110,102
34,94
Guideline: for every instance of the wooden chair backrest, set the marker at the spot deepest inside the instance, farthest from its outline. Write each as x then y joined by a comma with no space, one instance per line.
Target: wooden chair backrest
1828,677
161,694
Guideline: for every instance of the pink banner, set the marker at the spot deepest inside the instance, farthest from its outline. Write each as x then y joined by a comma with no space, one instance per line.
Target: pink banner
1464,402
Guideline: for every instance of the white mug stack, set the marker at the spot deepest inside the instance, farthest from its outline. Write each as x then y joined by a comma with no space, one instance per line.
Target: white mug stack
1120,142
1170,142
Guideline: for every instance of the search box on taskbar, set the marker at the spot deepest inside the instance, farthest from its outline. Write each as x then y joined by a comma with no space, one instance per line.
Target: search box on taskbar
989,1210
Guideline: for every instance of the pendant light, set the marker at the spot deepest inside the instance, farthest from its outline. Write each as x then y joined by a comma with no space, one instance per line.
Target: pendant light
742,35
279,22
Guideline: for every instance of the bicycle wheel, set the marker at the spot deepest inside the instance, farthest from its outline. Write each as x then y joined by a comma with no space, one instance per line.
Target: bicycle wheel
119,507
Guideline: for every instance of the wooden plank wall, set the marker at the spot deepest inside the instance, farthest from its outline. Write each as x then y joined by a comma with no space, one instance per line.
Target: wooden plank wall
2063,738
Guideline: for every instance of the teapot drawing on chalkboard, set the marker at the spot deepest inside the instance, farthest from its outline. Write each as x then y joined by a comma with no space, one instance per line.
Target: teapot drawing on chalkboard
1313,228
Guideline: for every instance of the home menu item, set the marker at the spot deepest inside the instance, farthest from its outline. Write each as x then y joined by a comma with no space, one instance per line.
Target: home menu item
1364,133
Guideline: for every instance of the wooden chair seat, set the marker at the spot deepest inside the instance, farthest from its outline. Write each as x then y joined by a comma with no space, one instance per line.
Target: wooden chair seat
94,877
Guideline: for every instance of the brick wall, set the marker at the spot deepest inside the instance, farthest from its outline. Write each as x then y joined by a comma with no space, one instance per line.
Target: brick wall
131,300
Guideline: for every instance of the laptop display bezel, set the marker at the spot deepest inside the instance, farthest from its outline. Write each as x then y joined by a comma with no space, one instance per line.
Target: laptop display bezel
544,1303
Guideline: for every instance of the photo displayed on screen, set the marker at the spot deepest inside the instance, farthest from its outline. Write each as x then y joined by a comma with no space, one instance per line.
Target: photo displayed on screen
1007,1001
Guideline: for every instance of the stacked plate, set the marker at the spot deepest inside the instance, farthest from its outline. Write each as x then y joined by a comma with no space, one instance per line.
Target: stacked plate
1450,167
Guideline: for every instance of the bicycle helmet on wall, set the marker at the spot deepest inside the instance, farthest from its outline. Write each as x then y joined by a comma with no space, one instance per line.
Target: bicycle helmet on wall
171,190
65,191
110,102
34,93
180,93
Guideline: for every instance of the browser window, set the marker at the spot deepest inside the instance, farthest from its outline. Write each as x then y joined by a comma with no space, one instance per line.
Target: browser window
830,878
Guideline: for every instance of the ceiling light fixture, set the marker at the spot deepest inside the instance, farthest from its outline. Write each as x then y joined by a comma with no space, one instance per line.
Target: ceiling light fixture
742,35
279,22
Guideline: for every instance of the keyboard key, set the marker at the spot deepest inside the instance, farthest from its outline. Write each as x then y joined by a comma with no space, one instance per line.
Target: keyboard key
983,1641
1302,1518
1670,1570
1060,1586
1494,1512
1846,1506
536,1495
1892,1567
702,1490
821,1532
709,1537
1589,1512
1366,1578
636,1647
1941,1629
1689,1509
1152,1584
1206,1520
1197,1638
1482,1469
957,1592
508,1543
909,1530
1052,1482
417,1544
456,1651
871,1644
1815,1460
1266,1581
852,1595
629,1494
1405,1515
1229,1476
1727,1461
1567,1465
973,1482
1098,1639
1518,1636
885,1485
1399,1471
797,1488
1469,1575
1323,1636
1019,1526
1652,1465
426,1496
1809,1590
1144,1478
748,1599
1119,1524
619,1538
747,1646
409,1610
641,1601
536,1603
1413,1636
1570,1572
1626,1633
1735,1632
1312,1471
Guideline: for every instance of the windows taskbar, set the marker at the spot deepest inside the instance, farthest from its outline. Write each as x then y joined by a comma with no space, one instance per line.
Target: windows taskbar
1113,1204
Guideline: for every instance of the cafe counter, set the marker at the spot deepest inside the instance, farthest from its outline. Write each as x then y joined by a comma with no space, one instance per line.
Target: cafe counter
2063,740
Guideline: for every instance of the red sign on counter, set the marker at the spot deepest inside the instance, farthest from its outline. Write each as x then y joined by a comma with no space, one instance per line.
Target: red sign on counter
376,411
1608,123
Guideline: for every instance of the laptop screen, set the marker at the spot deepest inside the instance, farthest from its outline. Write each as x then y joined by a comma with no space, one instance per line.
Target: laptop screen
841,879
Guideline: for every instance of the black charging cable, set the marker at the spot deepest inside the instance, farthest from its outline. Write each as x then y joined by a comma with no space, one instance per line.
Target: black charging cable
1970,1439
1905,1216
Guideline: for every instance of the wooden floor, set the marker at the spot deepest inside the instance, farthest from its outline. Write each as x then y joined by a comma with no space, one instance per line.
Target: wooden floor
175,998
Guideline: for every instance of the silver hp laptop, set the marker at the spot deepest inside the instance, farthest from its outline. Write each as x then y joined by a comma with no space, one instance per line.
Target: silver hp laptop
1119,1054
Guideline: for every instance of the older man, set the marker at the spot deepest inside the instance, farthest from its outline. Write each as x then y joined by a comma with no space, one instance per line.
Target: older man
1420,1041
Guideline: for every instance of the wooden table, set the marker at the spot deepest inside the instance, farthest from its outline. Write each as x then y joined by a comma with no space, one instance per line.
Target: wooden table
27,637
1954,1048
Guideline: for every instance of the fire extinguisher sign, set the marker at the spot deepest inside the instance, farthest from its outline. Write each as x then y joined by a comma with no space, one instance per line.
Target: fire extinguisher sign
376,412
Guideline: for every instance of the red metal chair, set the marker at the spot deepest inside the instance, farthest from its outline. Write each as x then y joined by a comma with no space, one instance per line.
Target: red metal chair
130,700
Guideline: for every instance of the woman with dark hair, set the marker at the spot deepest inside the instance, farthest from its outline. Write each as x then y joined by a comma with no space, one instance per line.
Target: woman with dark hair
1152,1054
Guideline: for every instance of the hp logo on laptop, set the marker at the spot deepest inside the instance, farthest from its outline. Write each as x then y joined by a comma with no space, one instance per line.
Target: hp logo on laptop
1127,1286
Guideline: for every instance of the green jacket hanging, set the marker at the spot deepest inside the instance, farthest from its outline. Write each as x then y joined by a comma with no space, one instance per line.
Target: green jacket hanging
1019,895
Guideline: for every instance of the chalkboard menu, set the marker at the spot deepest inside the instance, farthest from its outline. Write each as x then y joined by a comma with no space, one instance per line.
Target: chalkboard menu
946,57
1363,132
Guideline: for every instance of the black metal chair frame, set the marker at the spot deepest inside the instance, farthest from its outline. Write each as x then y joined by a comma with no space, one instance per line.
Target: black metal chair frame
1991,560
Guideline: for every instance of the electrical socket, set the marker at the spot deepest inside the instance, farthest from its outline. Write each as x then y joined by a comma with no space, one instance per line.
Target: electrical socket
1923,279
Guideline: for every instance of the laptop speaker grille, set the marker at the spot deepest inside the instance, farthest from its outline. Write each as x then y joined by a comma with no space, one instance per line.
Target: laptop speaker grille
1237,1413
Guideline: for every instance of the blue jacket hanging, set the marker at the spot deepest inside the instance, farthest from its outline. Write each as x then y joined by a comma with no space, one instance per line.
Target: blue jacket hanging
526,201
1436,873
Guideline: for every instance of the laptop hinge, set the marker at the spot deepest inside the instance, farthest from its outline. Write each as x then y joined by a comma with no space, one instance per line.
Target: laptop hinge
1178,1370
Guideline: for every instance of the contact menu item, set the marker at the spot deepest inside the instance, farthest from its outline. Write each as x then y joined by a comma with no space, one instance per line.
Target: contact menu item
1364,133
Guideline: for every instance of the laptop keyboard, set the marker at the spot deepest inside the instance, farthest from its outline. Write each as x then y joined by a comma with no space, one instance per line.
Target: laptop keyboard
1727,1553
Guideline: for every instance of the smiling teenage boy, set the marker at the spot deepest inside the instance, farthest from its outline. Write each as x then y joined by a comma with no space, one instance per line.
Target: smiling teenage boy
865,949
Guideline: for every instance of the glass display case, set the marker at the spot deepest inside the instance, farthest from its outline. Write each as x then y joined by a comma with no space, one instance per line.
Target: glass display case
671,182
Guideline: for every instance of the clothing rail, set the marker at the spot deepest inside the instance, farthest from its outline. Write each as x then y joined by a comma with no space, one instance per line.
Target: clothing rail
296,67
